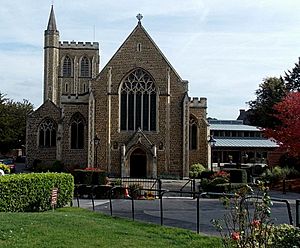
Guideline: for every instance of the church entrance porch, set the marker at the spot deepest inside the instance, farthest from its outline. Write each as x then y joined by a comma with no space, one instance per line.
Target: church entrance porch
138,164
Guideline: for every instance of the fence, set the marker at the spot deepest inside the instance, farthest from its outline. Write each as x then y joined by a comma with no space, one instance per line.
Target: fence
160,193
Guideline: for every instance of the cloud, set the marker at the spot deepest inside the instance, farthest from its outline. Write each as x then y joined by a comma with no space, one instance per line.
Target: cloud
224,49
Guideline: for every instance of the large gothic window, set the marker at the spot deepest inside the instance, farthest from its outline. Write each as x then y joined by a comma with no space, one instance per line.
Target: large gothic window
193,133
47,133
77,131
85,67
67,67
138,102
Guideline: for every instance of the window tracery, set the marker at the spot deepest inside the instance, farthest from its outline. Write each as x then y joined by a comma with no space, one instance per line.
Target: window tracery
77,131
138,100
47,133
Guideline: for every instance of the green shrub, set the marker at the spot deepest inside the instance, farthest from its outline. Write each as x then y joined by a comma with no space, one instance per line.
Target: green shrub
57,166
278,173
238,175
90,177
209,185
39,166
32,192
196,170
291,173
5,168
229,187
206,174
285,236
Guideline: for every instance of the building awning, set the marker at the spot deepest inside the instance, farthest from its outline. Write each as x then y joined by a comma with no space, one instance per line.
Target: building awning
242,142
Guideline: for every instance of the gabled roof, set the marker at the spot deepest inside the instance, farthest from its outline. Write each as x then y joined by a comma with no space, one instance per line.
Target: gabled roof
139,26
139,138
47,104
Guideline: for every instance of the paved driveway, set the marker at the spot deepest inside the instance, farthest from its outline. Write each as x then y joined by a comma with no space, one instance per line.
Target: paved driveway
180,212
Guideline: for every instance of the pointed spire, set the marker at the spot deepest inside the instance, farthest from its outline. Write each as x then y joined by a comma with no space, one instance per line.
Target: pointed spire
52,22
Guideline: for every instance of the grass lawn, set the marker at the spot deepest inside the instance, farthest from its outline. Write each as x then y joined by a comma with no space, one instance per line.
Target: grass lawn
75,227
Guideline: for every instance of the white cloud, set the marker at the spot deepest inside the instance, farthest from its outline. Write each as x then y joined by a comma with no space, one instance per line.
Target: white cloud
224,49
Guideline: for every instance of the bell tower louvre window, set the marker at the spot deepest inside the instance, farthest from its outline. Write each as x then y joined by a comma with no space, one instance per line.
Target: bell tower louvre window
85,67
138,100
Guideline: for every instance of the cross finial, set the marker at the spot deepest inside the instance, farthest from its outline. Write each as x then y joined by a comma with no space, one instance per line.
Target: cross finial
139,17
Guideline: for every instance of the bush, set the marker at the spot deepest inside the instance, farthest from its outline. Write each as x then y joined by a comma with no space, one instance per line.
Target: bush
278,173
209,185
229,187
38,166
196,170
5,168
238,175
32,192
285,236
90,176
206,174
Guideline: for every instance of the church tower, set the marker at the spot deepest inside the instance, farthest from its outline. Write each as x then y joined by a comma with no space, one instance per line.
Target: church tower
51,60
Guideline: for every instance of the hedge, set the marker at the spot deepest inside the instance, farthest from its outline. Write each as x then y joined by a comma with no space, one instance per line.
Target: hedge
32,192
229,187
90,177
237,175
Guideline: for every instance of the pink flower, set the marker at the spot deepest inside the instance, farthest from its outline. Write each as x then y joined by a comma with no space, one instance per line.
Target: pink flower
255,223
235,235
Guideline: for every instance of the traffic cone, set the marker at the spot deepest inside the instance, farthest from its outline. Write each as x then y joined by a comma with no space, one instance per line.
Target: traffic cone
126,192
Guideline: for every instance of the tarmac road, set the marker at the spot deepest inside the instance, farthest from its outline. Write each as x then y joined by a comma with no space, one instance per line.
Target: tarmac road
181,212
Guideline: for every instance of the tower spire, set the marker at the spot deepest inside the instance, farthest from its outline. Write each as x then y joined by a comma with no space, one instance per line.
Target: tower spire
52,23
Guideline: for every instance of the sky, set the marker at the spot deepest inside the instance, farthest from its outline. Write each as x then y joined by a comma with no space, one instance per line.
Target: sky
223,48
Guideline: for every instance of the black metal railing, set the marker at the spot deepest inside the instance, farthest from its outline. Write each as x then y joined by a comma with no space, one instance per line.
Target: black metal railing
192,184
118,192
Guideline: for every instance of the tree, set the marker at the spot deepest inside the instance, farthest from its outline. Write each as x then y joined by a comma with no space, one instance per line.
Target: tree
287,134
13,123
270,92
292,78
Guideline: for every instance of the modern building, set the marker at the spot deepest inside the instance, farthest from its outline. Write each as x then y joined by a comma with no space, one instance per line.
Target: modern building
238,143
133,118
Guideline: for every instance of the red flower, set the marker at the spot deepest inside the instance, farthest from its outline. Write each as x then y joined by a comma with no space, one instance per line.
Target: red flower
235,235
255,223
222,174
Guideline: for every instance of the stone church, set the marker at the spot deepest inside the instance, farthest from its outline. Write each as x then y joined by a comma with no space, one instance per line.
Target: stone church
133,118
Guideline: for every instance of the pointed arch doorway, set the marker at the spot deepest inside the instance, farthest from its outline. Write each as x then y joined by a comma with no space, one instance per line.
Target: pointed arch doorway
138,163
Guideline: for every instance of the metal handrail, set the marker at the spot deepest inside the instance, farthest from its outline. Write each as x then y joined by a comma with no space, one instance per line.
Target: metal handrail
275,200
192,182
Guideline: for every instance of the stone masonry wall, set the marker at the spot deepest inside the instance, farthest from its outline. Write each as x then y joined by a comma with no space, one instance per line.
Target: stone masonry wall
33,151
125,60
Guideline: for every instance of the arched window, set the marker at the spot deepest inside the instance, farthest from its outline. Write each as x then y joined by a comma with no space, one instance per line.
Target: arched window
77,131
67,67
85,67
47,133
193,133
138,102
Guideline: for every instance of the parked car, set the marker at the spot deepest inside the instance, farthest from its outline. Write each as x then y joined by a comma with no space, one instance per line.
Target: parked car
9,162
